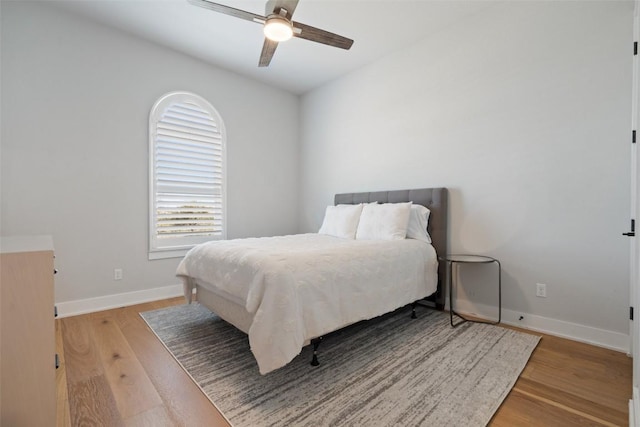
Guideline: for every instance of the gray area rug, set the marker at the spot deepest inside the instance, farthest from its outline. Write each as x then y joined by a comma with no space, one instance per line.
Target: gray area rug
389,371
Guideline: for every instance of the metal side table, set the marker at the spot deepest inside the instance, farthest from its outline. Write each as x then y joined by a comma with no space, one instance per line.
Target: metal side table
471,259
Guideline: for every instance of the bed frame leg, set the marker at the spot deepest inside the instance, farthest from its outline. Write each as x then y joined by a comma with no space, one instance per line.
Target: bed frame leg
413,310
316,343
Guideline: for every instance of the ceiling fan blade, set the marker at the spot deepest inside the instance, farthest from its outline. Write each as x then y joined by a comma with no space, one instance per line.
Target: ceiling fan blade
268,49
317,35
227,10
274,5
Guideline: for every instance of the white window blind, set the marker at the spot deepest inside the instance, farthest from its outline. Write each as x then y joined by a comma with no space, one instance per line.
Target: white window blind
187,149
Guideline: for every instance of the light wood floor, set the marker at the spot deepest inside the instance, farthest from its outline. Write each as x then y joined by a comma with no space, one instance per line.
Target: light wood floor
115,372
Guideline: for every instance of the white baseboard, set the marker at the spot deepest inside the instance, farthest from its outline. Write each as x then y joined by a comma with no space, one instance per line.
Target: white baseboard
560,328
587,334
90,305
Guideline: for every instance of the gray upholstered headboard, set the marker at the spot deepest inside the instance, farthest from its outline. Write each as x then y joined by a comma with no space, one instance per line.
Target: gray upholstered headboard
436,199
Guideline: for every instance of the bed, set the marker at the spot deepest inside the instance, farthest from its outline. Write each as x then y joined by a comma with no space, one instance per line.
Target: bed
288,291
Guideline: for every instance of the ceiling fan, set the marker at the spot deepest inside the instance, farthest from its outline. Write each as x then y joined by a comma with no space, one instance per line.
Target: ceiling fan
278,26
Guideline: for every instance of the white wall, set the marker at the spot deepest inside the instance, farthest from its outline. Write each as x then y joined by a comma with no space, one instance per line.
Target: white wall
75,103
523,112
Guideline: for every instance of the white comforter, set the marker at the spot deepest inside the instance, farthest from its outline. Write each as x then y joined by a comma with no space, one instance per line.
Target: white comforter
304,286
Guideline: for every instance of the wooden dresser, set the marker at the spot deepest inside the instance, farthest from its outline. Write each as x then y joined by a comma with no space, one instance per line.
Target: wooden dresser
27,332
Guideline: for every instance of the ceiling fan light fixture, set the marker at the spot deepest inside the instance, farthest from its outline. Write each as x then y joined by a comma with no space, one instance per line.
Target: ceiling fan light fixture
277,28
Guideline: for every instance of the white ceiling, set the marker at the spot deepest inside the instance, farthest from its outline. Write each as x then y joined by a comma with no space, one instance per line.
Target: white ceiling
378,27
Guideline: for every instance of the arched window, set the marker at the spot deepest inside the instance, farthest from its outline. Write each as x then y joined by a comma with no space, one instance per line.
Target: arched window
187,174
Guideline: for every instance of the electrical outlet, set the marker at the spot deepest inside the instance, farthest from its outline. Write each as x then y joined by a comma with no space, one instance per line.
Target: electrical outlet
117,274
541,290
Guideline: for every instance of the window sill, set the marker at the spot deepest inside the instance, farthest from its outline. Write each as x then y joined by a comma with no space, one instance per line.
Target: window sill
179,253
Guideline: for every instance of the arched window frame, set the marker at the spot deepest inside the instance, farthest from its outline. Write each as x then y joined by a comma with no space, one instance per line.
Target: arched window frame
206,183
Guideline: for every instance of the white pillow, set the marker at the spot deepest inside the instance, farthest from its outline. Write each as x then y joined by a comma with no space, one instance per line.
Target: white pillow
387,221
418,220
341,221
